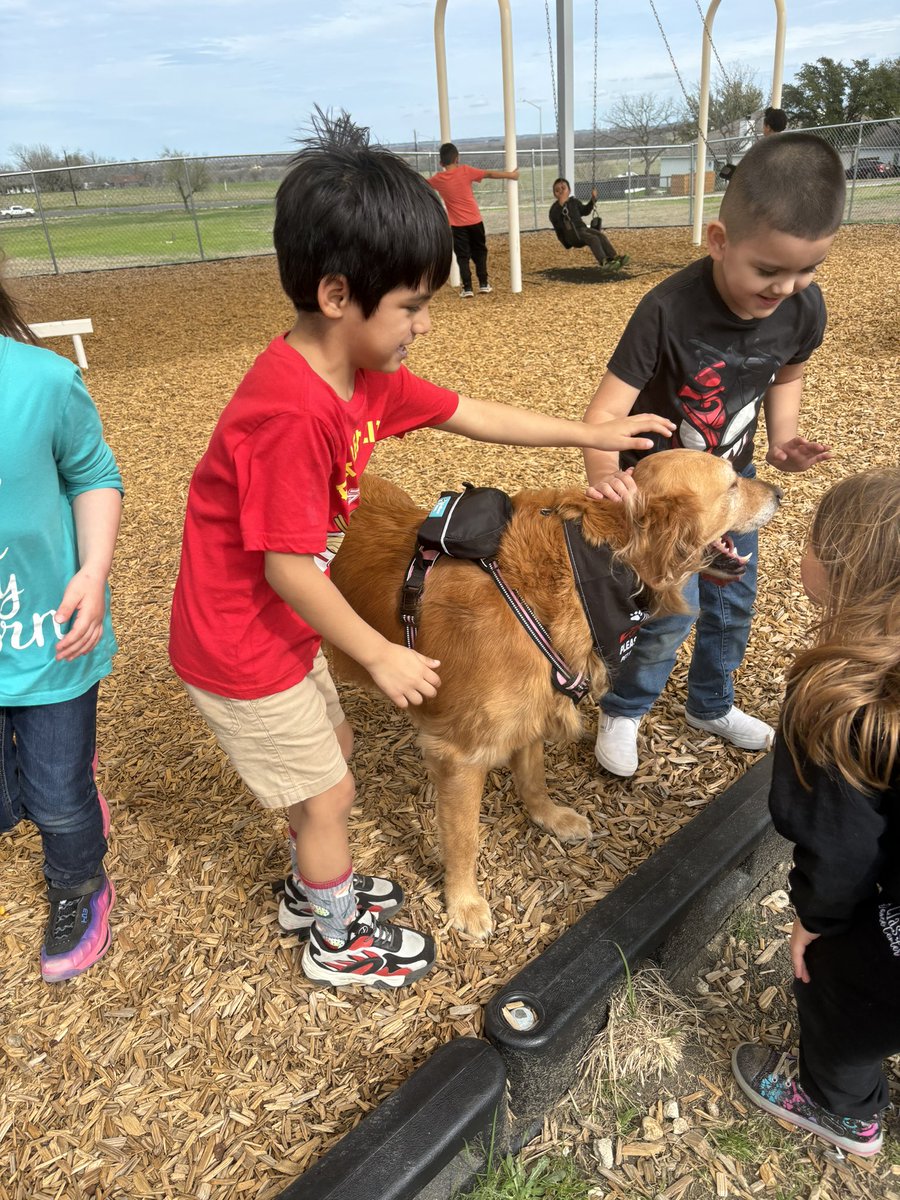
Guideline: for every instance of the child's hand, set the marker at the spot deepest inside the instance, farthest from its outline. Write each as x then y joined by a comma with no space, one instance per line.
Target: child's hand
613,487
405,676
798,454
86,596
622,434
800,939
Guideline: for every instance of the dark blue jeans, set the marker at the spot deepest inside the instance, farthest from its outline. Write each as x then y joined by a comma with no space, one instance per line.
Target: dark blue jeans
723,616
46,776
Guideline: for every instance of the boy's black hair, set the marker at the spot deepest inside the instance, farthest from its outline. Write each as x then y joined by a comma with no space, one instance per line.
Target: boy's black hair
560,180
447,154
793,183
776,119
348,208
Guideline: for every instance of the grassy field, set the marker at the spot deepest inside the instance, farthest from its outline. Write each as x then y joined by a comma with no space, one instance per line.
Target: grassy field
138,226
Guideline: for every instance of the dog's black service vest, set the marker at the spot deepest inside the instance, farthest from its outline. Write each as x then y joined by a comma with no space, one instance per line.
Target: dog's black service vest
612,596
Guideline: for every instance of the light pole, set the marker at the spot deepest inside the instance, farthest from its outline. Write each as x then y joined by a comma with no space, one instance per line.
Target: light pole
534,104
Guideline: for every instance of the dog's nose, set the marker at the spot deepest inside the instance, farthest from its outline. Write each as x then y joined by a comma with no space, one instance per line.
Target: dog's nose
779,492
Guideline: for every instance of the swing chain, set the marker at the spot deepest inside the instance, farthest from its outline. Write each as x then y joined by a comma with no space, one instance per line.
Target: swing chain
594,134
691,104
552,68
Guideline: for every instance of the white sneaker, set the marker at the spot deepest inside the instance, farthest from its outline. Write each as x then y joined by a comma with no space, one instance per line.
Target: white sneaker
466,294
616,745
485,288
749,733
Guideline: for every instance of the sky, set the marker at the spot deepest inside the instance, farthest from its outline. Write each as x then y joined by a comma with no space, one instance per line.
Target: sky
126,78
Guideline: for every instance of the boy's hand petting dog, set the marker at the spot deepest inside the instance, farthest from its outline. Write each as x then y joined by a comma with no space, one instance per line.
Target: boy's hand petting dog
613,487
798,454
405,676
622,434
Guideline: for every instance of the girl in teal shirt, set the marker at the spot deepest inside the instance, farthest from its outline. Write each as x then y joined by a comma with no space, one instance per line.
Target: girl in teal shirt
60,503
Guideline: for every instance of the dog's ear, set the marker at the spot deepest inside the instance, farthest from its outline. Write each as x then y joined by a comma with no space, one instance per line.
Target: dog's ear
665,542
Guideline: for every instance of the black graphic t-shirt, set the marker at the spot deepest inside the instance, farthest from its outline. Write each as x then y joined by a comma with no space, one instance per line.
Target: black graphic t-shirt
706,369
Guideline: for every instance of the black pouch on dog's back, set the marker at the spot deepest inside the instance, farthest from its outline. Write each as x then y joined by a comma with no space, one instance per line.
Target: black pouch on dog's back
467,524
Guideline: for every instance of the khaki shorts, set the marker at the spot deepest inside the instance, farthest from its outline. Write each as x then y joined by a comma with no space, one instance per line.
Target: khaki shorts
282,746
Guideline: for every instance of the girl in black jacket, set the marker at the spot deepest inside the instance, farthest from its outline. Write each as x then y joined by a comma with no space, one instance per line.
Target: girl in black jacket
836,795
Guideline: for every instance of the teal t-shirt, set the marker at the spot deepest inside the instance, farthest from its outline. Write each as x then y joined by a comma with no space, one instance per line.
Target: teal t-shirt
51,450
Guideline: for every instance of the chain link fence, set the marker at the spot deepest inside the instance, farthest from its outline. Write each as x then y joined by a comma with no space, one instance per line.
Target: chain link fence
192,209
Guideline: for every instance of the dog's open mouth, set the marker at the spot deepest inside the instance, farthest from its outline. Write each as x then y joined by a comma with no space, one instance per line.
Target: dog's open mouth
724,563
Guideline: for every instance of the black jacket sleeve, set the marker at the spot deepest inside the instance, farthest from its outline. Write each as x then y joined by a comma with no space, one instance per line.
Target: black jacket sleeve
845,842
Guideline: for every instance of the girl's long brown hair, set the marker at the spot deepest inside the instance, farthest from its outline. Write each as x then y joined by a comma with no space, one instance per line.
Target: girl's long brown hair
843,699
12,324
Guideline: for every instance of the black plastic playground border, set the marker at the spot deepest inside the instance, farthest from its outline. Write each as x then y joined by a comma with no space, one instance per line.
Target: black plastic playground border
429,1139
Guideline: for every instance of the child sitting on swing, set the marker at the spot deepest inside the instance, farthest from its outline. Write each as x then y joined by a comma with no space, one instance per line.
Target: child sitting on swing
565,217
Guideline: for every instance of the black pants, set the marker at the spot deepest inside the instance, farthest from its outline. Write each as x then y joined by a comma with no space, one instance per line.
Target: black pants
598,243
849,1018
469,242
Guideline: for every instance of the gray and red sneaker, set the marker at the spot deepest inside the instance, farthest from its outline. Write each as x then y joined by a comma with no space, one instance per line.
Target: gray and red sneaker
769,1078
77,933
380,898
375,954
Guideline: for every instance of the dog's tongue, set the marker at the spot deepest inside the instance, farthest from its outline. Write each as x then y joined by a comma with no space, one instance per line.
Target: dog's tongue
725,562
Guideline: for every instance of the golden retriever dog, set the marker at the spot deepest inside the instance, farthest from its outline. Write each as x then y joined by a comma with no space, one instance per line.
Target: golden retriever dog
496,703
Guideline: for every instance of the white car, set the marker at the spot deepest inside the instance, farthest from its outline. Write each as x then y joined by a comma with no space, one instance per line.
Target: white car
16,210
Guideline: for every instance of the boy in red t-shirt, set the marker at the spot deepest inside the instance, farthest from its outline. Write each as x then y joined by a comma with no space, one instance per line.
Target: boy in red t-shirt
454,185
362,245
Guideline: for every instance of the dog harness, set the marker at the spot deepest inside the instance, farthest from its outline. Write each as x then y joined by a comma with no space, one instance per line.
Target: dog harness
470,524
573,684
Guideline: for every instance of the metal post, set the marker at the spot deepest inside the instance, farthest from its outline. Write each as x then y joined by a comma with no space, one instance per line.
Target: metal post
565,87
693,168
190,192
37,196
534,191
628,194
854,169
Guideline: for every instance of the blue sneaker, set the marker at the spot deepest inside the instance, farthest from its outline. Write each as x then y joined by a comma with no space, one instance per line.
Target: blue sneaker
77,932
769,1078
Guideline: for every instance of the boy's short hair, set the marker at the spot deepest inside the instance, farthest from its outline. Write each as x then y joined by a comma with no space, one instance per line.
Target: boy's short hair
793,183
447,154
348,208
560,180
776,119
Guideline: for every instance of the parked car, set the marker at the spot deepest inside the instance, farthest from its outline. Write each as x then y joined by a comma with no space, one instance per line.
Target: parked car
868,168
16,210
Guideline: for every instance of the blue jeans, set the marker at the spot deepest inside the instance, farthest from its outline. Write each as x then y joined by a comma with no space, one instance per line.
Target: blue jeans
723,616
46,776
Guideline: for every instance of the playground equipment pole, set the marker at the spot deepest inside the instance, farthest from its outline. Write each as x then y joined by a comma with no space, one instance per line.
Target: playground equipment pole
509,126
703,116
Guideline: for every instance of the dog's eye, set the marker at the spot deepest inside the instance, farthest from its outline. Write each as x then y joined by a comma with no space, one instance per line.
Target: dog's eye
734,485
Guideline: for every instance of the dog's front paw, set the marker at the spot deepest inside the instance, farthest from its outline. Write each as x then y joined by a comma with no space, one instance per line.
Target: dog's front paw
564,823
471,914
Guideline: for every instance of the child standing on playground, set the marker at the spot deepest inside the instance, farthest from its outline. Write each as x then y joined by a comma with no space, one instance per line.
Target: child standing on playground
454,184
60,504
362,245
710,347
836,795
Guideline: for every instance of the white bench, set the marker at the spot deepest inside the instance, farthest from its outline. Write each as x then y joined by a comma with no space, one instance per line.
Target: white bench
72,329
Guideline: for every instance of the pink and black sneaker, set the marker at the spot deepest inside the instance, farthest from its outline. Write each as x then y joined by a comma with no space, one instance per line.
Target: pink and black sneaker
769,1078
77,932
374,954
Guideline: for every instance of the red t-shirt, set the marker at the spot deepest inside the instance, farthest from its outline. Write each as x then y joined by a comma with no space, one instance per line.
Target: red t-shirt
455,189
281,473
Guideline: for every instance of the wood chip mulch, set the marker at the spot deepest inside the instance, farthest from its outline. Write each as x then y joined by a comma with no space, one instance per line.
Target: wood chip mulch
196,1061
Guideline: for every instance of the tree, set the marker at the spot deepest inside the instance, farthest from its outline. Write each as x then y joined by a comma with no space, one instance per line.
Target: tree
644,121
734,95
187,175
831,93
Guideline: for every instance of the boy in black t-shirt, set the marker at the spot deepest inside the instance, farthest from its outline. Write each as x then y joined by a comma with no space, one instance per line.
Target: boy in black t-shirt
709,347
